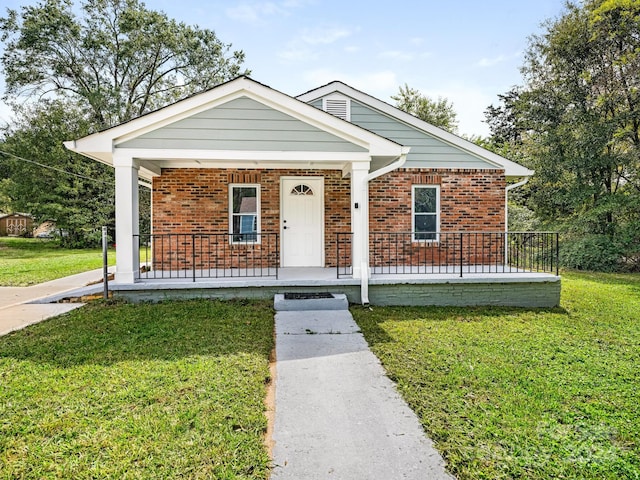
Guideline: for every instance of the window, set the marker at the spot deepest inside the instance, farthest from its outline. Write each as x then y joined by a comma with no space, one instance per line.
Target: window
244,203
425,213
302,189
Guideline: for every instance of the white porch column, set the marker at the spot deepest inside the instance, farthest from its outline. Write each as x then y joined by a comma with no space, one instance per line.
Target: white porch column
127,218
360,219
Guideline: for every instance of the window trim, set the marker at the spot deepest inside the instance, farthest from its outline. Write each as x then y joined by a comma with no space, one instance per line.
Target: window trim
258,215
413,214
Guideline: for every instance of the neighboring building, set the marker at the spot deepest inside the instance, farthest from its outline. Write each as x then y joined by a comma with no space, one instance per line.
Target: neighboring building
16,225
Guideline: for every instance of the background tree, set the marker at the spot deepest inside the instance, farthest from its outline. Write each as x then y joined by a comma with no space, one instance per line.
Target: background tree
576,121
119,59
76,192
438,112
84,70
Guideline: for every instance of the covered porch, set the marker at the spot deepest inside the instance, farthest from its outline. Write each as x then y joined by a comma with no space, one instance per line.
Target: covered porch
464,268
525,289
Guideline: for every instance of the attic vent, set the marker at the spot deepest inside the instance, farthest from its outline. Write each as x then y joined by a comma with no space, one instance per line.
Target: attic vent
338,107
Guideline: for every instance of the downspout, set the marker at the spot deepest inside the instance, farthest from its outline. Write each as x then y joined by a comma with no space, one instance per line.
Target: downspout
506,200
364,267
506,216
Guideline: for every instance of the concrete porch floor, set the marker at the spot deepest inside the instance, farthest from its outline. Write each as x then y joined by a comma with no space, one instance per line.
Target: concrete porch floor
527,289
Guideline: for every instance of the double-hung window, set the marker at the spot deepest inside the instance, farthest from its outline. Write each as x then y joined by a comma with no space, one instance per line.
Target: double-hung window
244,212
425,213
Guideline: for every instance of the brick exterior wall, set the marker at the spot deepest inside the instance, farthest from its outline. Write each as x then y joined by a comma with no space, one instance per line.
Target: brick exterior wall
189,200
470,201
193,200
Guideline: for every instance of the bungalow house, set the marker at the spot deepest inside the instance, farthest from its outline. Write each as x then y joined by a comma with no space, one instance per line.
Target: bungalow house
250,182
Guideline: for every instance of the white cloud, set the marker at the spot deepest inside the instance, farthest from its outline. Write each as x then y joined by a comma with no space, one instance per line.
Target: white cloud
323,35
352,49
397,55
469,103
259,12
297,53
253,13
302,47
381,84
490,62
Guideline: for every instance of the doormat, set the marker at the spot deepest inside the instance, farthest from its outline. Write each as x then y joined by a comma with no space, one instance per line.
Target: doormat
307,296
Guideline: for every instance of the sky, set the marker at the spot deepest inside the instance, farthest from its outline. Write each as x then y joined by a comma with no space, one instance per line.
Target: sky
467,51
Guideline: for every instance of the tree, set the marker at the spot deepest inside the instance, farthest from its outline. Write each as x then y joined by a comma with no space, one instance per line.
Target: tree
119,60
436,112
74,191
83,72
577,122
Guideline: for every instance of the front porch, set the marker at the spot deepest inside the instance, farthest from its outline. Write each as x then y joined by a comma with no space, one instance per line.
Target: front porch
524,289
463,268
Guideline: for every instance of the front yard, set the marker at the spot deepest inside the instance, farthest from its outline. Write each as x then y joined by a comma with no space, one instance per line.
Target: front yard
27,261
174,390
512,393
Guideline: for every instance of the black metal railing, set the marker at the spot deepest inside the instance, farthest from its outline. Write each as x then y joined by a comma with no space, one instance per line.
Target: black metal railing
344,267
455,253
208,255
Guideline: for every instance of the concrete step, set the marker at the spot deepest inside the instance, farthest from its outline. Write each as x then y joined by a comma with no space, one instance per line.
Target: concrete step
303,302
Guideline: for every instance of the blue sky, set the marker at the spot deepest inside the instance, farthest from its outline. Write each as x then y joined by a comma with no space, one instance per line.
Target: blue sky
468,51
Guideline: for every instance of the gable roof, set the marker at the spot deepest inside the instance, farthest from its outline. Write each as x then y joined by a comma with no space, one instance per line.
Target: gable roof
512,169
101,145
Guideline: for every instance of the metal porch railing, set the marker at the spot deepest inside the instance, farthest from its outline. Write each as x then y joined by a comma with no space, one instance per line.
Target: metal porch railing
208,255
454,253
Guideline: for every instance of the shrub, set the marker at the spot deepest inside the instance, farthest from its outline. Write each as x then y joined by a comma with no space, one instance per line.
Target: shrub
591,252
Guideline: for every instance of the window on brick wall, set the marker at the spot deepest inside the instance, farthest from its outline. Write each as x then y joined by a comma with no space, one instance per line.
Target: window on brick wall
244,215
425,213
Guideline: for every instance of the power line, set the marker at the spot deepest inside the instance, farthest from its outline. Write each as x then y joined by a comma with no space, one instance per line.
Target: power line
55,168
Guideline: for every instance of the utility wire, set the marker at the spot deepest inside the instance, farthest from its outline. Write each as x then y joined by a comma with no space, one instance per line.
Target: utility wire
55,168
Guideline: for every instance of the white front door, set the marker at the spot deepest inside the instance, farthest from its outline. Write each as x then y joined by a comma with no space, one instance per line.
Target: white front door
302,221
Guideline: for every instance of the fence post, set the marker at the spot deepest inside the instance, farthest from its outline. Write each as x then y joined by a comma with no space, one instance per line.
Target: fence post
461,253
193,255
105,264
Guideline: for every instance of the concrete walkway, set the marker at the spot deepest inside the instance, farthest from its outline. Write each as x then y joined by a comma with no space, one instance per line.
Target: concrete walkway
337,415
23,306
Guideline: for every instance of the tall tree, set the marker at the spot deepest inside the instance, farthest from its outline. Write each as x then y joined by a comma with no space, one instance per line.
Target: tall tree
577,121
438,112
83,70
119,60
74,191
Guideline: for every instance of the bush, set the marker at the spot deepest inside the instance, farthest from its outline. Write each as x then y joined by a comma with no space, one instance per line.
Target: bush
591,252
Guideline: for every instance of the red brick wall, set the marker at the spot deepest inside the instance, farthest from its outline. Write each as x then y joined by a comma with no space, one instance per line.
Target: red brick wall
197,201
470,201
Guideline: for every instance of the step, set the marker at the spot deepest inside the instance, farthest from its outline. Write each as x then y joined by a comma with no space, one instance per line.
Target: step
307,301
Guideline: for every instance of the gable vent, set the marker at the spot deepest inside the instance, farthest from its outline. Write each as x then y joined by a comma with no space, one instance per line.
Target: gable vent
338,107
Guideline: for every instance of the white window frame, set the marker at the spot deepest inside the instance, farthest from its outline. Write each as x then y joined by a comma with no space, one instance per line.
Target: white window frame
258,239
413,214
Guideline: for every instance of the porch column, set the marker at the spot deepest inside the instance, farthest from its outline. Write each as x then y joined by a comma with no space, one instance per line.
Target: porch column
360,219
127,218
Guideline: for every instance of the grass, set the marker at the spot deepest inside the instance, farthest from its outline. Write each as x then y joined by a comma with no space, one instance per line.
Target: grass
28,261
170,390
512,393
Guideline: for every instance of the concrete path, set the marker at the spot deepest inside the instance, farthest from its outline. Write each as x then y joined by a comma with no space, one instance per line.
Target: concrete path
22,306
337,416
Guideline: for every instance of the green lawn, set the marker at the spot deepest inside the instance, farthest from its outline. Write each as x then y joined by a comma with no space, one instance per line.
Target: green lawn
513,393
171,390
27,261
